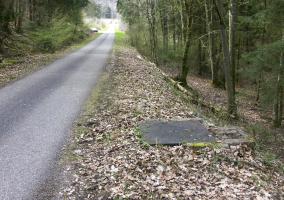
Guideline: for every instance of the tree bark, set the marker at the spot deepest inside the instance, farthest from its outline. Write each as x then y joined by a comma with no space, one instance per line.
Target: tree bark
214,77
165,25
151,16
31,10
185,67
278,102
21,8
232,107
233,15
174,34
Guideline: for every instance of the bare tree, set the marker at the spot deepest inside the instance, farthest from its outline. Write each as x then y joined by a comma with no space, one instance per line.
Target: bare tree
185,67
232,107
151,8
279,99
233,15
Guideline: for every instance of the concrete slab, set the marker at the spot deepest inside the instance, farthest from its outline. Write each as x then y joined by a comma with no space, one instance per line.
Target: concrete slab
175,132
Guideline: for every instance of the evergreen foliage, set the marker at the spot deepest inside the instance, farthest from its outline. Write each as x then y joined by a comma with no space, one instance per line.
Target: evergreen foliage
49,24
231,41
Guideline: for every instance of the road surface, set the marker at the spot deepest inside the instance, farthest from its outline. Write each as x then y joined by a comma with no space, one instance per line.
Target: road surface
36,116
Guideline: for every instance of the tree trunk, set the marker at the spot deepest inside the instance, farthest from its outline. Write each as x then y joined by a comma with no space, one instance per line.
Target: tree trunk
21,4
278,102
165,25
174,34
214,77
233,15
258,88
232,108
200,59
31,10
185,67
151,11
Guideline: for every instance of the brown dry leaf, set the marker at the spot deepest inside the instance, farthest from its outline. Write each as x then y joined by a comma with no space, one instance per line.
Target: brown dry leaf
115,164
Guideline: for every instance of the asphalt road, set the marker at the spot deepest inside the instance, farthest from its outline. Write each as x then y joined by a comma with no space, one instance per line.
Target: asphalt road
37,113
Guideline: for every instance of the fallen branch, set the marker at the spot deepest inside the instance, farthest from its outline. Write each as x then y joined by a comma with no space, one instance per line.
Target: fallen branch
193,95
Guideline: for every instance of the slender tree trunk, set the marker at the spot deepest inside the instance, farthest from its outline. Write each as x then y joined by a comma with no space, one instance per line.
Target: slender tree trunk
233,15
154,29
151,16
181,27
258,88
16,11
165,25
214,77
185,19
20,15
200,59
30,10
278,102
174,34
185,67
166,34
232,108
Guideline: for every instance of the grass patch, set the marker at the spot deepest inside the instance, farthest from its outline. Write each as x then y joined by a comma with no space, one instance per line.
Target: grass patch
261,134
266,141
58,34
80,129
15,67
120,39
139,137
9,62
96,96
86,41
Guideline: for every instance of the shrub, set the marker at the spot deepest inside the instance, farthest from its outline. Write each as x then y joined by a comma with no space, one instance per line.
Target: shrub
58,34
45,45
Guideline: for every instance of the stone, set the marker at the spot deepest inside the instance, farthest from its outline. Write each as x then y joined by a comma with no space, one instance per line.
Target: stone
241,141
175,132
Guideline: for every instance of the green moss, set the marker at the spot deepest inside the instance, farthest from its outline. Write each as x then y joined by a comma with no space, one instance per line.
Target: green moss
198,145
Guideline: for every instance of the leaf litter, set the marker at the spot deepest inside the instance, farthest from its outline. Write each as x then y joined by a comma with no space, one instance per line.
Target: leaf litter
115,163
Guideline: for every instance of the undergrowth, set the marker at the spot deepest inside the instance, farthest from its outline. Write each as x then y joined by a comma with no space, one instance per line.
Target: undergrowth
58,34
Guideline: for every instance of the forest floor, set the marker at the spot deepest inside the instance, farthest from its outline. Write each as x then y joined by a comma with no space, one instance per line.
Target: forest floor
252,116
257,120
107,159
15,67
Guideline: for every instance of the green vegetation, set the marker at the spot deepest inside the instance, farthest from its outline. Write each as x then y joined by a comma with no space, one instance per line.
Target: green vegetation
8,62
235,43
199,145
140,138
56,35
28,26
120,39
80,129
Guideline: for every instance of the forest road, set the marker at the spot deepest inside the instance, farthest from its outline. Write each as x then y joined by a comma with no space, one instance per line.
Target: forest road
37,113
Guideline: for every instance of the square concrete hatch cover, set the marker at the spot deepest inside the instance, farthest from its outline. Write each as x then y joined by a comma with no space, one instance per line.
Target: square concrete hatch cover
175,132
